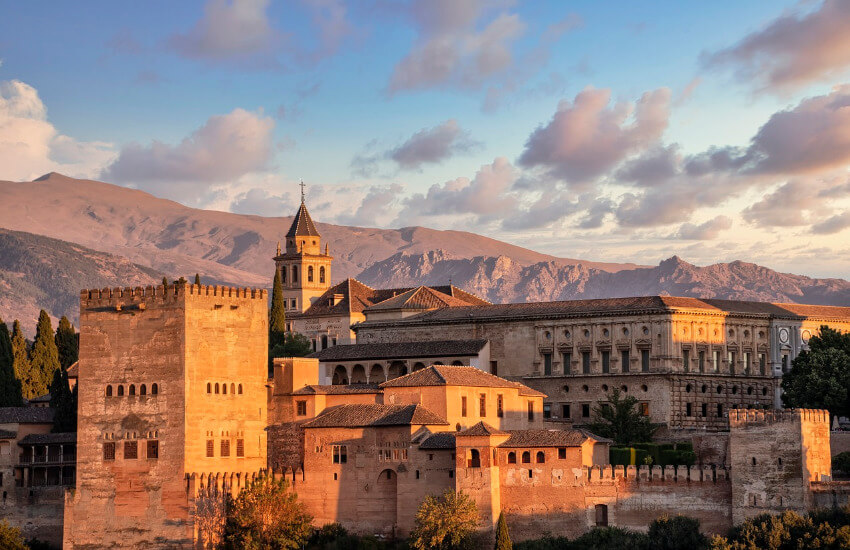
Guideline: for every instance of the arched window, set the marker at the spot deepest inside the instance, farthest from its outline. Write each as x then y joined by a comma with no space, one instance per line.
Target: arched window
541,457
216,388
224,388
321,274
132,389
232,388
526,457
120,390
209,387
309,273
240,389
109,391
143,390
324,341
154,389
295,274
511,457
474,460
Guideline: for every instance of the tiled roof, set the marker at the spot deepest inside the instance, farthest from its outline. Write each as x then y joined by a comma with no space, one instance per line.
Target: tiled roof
419,298
47,439
445,375
337,390
545,438
439,440
615,306
41,399
302,225
26,415
74,370
356,297
482,429
8,434
401,350
356,416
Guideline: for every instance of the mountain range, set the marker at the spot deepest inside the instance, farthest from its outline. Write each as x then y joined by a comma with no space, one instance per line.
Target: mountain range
63,234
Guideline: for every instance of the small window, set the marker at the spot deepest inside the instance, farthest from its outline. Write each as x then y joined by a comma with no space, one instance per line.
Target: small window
340,454
585,362
225,447
239,389
216,388
565,410
644,364
689,411
417,474
210,448
154,389
531,410
131,450
624,361
482,405
463,405
322,274
301,408
511,457
224,389
779,461
644,409
109,451
720,410
547,363
547,410
585,410
704,410
153,449
562,453
541,457
120,390
232,388
240,447
132,389
606,361
309,273
754,461
500,406
109,391
209,387
601,515
526,457
143,390
474,460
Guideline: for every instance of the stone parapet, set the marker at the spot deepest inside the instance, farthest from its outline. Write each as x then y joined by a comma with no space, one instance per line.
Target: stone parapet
140,296
655,474
743,417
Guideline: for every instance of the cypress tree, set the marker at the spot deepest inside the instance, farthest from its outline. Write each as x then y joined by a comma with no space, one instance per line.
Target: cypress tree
64,401
198,279
67,342
44,358
10,386
503,538
277,316
165,281
23,371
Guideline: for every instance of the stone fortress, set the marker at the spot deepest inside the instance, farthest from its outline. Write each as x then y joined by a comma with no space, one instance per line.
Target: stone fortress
412,391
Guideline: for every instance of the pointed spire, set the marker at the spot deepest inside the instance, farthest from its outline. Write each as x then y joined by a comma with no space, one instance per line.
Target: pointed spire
302,225
278,248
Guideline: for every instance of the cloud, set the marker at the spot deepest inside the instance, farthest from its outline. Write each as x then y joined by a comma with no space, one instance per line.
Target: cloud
330,19
451,50
705,231
225,148
379,200
794,203
260,202
793,50
588,137
432,145
833,224
30,145
654,167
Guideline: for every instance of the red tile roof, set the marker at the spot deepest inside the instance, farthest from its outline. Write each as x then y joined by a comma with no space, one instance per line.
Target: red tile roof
316,389
445,375
546,438
481,429
401,350
419,298
359,416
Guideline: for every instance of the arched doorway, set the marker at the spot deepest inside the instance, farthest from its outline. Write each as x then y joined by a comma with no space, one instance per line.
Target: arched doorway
358,374
376,374
340,377
387,489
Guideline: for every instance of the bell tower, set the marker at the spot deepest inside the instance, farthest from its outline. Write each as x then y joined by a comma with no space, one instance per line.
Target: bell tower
305,270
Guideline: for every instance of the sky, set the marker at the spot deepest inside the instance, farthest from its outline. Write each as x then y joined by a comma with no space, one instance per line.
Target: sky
605,131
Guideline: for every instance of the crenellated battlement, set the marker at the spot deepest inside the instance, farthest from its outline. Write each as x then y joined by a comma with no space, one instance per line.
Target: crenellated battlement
655,474
744,417
139,297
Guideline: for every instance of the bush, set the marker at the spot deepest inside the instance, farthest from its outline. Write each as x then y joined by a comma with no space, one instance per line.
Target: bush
621,456
685,446
250,526
666,447
640,457
652,450
10,537
687,458
609,538
676,533
669,457
841,463
822,529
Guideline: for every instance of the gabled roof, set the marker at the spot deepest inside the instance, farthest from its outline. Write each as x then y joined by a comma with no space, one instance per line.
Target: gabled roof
47,439
74,370
359,416
302,225
26,415
316,389
547,438
445,375
401,350
481,429
40,399
423,298
439,440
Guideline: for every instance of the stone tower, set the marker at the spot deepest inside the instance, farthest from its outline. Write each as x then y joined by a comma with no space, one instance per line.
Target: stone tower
304,269
171,382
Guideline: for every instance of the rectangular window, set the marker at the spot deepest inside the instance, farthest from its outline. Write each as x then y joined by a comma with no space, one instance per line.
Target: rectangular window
210,448
644,360
686,360
547,410
720,410
747,362
494,367
701,360
301,407
482,405
644,409
585,362
731,360
763,363
225,447
565,410
585,410
785,368
606,361
131,450
340,454
531,410
715,361
240,447
624,360
567,358
500,406
153,449
547,364
689,411
704,410
562,453
463,405
109,451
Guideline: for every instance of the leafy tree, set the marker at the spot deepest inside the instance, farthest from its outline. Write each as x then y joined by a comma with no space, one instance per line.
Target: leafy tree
829,530
446,522
267,515
620,420
20,356
10,386
67,342
198,279
10,537
678,532
181,281
841,463
503,537
44,359
820,376
64,401
610,538
277,315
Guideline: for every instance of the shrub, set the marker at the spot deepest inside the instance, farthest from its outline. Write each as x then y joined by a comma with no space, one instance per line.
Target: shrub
687,458
666,447
10,537
685,446
609,538
669,457
841,462
640,456
651,449
622,456
676,533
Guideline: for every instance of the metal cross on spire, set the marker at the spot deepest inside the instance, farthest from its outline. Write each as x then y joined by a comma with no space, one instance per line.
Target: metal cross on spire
302,191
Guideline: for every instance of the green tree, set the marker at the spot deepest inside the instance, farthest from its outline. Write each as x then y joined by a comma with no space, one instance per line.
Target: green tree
44,359
446,522
620,420
21,357
277,314
67,342
503,537
267,515
676,533
820,376
841,463
198,279
10,386
827,530
64,401
10,537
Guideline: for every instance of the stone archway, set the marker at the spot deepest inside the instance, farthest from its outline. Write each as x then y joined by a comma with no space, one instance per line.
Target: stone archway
358,374
386,488
340,377
397,368
376,374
